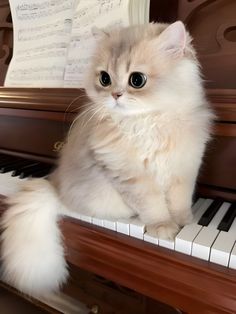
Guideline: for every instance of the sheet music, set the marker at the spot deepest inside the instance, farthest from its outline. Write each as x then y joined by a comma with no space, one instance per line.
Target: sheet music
99,13
42,30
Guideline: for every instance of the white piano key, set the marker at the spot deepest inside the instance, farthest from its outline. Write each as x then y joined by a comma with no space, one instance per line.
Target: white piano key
122,226
97,221
10,185
222,247
232,262
184,239
202,243
169,244
86,218
137,228
109,224
71,214
150,239
197,205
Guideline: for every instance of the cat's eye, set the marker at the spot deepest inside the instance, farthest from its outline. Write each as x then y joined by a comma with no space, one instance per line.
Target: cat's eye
104,79
137,79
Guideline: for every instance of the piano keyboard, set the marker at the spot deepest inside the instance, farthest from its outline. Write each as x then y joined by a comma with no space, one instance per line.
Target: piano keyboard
211,236
15,170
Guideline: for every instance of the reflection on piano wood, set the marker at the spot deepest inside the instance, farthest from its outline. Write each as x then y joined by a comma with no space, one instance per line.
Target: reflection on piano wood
155,268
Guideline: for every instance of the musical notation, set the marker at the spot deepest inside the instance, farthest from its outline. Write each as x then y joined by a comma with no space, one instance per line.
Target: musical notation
90,12
53,41
42,55
82,43
28,10
53,50
51,73
59,28
42,49
106,6
42,31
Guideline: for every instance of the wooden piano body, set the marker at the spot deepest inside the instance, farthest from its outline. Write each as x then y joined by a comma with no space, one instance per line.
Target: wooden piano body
118,273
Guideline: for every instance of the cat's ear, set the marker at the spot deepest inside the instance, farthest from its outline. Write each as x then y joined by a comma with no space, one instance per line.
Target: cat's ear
173,39
99,33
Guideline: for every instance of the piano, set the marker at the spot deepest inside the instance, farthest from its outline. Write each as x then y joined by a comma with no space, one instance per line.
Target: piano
115,267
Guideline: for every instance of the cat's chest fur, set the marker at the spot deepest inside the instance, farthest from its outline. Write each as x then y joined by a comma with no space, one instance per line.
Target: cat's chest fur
143,144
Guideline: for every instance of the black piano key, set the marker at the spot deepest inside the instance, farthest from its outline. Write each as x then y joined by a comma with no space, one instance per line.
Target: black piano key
42,173
4,158
228,218
7,162
210,212
20,170
13,165
29,171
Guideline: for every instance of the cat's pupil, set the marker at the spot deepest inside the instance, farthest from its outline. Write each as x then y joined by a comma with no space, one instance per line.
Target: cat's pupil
137,80
105,79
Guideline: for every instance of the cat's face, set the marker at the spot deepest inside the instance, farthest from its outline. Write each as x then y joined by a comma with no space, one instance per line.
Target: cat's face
134,70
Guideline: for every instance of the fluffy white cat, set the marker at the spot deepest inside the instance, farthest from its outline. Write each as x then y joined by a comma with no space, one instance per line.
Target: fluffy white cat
136,150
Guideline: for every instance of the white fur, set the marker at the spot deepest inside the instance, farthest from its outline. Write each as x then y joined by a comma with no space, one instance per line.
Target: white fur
139,154
32,252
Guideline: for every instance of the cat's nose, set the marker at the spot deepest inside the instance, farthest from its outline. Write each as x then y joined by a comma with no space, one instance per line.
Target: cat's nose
116,95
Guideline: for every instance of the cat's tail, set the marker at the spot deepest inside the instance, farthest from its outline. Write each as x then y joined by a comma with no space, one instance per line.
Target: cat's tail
32,254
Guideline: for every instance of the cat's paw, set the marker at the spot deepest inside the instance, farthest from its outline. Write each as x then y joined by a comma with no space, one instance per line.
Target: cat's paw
166,231
183,218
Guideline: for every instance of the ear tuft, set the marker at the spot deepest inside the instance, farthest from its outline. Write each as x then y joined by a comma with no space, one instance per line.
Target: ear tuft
173,39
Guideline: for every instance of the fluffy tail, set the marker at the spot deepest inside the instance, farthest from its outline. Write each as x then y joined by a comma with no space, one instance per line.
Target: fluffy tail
32,255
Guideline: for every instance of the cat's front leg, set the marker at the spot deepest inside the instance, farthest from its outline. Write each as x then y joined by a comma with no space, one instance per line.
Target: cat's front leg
149,202
179,198
166,231
156,216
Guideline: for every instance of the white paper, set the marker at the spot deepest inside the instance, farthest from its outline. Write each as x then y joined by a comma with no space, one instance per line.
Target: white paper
42,31
53,41
99,13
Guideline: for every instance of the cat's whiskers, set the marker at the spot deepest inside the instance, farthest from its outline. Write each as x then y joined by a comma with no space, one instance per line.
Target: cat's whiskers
100,117
80,116
95,113
73,102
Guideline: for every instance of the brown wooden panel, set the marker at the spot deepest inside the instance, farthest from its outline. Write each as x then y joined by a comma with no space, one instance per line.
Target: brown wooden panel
192,285
212,24
44,99
163,11
12,302
223,102
219,163
109,297
31,135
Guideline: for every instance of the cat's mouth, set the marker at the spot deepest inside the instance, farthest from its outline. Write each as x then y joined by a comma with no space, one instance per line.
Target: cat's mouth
118,103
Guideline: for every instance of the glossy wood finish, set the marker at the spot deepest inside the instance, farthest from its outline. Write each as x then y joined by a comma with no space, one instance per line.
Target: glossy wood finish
12,302
191,285
45,113
212,23
108,296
